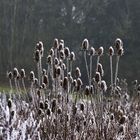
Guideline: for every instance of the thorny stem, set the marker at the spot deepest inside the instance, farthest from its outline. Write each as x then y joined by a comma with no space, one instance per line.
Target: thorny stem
86,65
116,73
90,70
111,72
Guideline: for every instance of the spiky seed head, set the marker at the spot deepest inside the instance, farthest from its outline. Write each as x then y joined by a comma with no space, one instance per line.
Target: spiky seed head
32,76
44,72
36,81
74,109
67,52
85,44
43,85
91,89
38,93
12,113
59,110
69,74
87,91
48,112
18,77
63,66
72,56
58,70
103,85
46,105
41,105
100,69
56,61
49,59
111,51
9,103
62,54
92,51
121,129
112,117
53,104
82,106
65,83
51,52
120,51
79,82
122,119
75,83
40,111
10,75
77,72
55,44
15,73
118,44
40,47
100,51
46,80
22,73
61,46
37,56
135,82
97,77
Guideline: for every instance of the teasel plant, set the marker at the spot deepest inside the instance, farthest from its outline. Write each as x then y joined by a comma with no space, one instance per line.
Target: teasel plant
100,52
10,77
15,75
39,51
111,53
67,55
71,60
91,53
119,53
85,48
23,76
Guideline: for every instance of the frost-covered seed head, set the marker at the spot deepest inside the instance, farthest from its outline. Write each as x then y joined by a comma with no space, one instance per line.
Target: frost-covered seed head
55,44
87,91
97,77
100,69
67,52
77,72
49,59
92,51
10,75
111,51
72,56
85,44
15,73
103,85
22,73
118,44
100,51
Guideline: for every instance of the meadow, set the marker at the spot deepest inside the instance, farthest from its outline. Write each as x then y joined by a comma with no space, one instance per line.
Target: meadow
56,105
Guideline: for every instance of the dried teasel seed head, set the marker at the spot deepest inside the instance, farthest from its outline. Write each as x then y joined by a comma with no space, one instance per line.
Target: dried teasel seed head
72,56
58,70
87,91
71,79
121,129
120,51
9,103
46,80
55,44
78,72
118,44
48,112
56,61
36,81
49,59
51,52
100,69
97,77
112,117
43,85
122,119
12,113
44,72
63,66
32,76
10,75
53,105
82,106
37,55
46,105
100,51
103,85
40,47
15,73
135,82
75,83
40,111
74,109
38,93
61,46
79,82
22,73
111,51
59,111
85,44
67,52
92,51
69,74
62,54
65,83
41,105
91,89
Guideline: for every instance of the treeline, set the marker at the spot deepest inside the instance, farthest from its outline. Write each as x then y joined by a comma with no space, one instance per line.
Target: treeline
24,22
